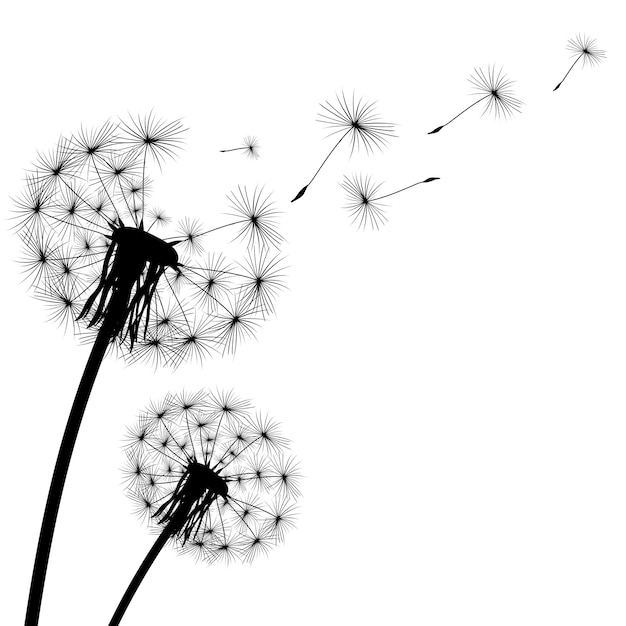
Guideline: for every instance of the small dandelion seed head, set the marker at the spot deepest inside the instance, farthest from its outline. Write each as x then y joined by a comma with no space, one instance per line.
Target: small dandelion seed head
263,280
496,88
361,204
251,146
238,321
158,217
585,46
258,217
208,476
190,233
358,118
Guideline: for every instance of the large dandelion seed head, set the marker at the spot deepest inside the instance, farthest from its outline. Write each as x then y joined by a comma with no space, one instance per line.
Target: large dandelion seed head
98,252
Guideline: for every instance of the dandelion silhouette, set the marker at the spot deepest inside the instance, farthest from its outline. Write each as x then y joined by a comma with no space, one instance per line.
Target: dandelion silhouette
363,202
494,88
583,48
211,478
88,249
251,147
356,119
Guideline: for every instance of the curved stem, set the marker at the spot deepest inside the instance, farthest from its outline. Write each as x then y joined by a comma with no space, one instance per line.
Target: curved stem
393,193
432,132
140,575
206,232
60,472
303,190
328,156
568,71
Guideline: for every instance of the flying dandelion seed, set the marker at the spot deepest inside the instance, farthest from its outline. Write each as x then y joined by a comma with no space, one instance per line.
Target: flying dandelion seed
495,90
583,47
355,119
250,147
363,204
211,477
91,253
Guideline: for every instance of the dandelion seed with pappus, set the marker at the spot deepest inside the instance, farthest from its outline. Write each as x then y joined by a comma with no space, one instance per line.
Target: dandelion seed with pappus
355,119
495,90
583,47
364,201
250,147
212,478
92,255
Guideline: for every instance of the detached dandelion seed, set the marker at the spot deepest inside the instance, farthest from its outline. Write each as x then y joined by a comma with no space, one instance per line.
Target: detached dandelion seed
495,88
222,489
250,148
94,261
363,204
583,47
355,119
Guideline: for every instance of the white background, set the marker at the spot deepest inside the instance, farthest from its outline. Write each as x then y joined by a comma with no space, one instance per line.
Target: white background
453,384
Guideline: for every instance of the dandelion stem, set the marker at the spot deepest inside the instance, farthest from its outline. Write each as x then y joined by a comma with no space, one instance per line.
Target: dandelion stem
393,193
60,471
568,71
233,149
459,115
140,575
326,159
301,192
106,191
206,232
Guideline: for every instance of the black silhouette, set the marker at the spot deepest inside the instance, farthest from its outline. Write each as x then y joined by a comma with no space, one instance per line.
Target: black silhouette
88,249
357,119
212,478
494,87
363,203
583,48
250,145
